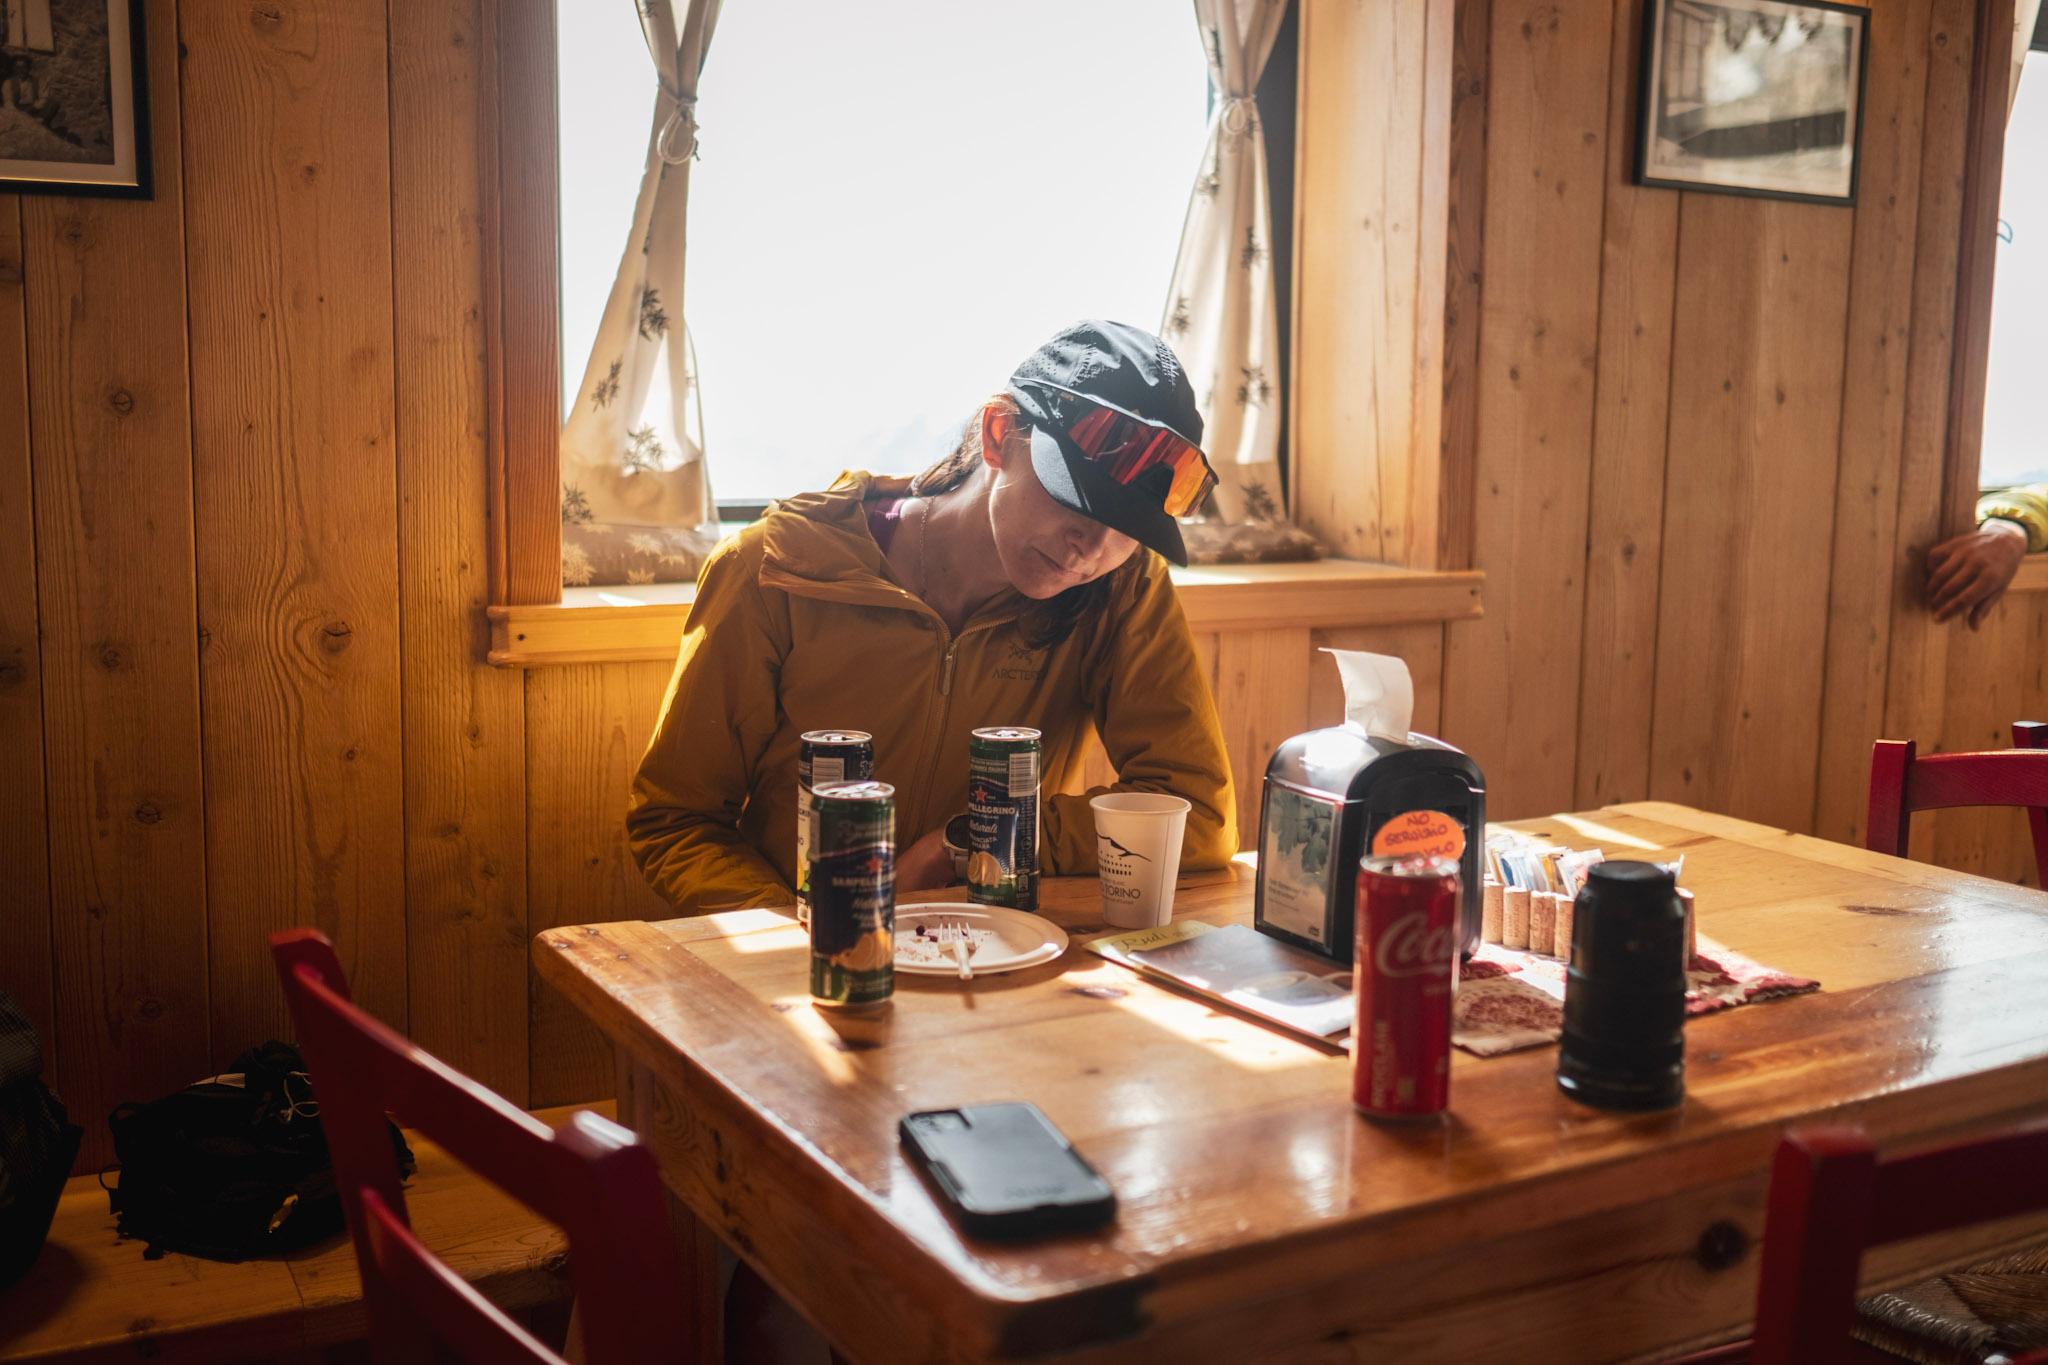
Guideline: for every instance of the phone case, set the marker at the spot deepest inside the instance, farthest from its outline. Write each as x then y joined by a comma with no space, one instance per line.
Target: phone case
1006,1170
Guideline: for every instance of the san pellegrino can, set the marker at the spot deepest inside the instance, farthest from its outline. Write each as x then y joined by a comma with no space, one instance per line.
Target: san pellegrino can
1002,816
1405,972
853,895
824,757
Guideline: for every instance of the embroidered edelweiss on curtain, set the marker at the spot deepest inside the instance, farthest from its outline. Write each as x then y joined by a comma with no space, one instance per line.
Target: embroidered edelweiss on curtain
636,489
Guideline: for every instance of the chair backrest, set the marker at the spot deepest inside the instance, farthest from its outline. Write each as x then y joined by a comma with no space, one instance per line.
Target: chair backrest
592,1178
1831,1197
1902,781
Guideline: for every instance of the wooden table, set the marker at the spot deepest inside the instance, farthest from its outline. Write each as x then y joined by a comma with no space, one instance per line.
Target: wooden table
1259,1216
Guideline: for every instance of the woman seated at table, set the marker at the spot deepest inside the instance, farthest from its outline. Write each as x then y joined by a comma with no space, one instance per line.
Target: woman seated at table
1002,586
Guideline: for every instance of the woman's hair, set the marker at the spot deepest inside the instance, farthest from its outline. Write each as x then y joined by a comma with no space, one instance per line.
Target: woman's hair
1045,623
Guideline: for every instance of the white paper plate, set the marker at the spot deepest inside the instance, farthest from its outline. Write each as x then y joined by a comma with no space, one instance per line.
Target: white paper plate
1008,940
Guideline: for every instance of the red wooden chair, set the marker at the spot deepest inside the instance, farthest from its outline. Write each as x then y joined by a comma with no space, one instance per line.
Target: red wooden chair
1901,783
1831,1197
593,1178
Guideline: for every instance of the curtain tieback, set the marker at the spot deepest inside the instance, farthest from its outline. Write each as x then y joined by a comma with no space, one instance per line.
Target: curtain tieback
1238,114
679,130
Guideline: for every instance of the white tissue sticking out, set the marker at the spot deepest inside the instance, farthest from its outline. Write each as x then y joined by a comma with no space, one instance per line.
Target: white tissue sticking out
1379,696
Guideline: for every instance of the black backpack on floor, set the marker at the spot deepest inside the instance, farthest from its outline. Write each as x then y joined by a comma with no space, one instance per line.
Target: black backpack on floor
231,1167
37,1145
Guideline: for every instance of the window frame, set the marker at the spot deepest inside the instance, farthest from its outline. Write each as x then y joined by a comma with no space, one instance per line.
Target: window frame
1976,261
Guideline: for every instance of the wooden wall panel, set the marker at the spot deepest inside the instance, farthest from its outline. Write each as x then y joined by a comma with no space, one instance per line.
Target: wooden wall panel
1464,231
1625,503
1262,689
1880,333
1756,363
1917,667
1372,78
1512,679
110,431
24,820
465,746
586,727
287,157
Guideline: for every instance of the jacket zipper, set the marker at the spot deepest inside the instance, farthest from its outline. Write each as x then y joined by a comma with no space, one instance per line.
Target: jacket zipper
931,775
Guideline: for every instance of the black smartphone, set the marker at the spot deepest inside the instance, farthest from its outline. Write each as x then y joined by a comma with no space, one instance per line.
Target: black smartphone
1006,1170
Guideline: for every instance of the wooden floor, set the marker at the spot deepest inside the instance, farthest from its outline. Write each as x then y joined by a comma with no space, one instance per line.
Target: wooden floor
95,1297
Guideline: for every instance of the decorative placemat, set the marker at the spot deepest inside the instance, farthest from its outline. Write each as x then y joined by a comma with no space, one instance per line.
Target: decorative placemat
1509,999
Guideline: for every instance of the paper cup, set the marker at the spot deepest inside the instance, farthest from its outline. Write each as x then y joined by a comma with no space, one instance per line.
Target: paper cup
1137,845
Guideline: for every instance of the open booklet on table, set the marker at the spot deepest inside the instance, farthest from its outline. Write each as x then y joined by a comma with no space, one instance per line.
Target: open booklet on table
1236,965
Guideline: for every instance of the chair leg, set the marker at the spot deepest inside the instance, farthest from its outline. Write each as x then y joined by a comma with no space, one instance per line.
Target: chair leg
2033,734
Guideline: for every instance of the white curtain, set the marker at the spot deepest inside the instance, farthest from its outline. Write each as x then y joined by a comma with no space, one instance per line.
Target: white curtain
633,443
2026,14
1220,313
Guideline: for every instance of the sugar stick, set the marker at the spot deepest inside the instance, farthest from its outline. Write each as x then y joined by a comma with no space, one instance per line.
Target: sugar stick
1692,939
1514,920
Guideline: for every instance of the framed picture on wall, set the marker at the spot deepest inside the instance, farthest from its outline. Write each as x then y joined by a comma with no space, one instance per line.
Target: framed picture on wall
1757,97
74,113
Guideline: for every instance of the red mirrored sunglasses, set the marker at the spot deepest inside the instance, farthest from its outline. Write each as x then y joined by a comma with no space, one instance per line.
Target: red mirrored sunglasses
1126,449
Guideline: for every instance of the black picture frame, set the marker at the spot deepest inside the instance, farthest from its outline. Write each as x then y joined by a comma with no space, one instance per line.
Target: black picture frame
46,97
1786,155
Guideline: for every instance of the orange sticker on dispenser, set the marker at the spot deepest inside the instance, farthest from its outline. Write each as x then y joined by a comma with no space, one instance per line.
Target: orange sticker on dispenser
1420,834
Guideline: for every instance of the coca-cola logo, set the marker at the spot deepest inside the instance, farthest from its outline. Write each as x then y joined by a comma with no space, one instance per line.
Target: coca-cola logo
1409,947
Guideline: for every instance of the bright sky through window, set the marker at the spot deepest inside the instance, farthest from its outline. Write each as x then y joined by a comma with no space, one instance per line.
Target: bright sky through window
2015,437
895,202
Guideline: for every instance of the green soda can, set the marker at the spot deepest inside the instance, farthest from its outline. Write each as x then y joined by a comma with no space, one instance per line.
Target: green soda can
822,758
853,895
1002,816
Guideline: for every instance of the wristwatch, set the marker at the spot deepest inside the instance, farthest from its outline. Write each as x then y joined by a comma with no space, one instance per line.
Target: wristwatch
956,841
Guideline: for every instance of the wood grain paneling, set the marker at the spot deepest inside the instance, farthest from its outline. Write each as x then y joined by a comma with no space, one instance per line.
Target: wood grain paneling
1262,688
586,727
1511,684
1464,232
465,750
1367,377
1756,365
1625,506
289,250
1880,334
24,823
1917,668
110,434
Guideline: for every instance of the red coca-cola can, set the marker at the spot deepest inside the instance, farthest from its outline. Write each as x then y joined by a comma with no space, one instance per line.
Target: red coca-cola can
1405,972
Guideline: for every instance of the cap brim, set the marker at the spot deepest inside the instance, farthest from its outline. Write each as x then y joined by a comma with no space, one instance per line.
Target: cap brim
1075,483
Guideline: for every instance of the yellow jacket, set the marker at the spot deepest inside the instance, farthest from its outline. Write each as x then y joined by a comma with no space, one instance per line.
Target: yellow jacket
799,625
2027,505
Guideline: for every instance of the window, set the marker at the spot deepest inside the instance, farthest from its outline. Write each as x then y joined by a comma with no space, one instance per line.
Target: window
878,233
2015,448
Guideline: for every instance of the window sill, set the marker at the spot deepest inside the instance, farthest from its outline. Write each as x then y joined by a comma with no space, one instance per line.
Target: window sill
626,624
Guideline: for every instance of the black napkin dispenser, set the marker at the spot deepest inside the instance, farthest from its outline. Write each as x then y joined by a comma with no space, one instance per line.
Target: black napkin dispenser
1335,796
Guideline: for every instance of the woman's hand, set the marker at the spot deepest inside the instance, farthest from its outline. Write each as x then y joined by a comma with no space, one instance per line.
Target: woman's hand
925,865
1971,572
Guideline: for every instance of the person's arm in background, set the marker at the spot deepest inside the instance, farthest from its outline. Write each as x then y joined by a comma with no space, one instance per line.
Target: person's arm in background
716,722
1967,574
1158,726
